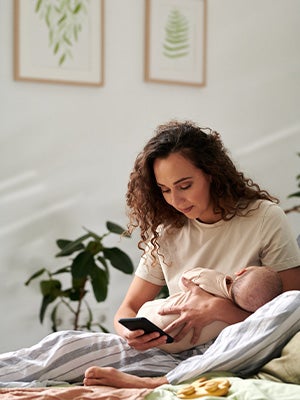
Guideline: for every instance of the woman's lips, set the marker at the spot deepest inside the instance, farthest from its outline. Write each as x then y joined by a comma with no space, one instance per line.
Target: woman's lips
186,210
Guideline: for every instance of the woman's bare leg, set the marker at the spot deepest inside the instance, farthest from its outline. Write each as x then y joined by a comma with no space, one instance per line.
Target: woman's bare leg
107,376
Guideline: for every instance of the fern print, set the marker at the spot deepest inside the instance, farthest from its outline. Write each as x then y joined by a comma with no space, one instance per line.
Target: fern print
176,42
64,19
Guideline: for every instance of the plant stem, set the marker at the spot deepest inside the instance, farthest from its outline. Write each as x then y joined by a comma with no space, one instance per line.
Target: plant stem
77,313
292,209
68,306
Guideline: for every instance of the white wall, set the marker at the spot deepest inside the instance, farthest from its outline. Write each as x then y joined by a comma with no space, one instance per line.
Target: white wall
66,151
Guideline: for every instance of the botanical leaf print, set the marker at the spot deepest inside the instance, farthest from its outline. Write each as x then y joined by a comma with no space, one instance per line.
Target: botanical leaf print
64,19
176,43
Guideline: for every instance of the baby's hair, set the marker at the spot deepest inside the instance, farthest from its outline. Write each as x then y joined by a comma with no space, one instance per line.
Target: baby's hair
250,291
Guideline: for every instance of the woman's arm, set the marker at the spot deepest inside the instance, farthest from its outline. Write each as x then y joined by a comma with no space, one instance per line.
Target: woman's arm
201,309
290,279
138,293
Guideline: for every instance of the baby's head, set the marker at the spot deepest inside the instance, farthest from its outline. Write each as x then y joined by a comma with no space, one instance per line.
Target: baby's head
254,286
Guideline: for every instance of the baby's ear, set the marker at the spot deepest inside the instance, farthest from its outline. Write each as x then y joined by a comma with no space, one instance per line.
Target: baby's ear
240,272
229,280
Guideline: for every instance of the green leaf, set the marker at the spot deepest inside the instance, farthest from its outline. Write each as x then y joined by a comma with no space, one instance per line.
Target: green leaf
296,194
47,16
53,318
78,284
35,275
62,271
81,264
67,40
104,263
62,59
38,5
63,243
48,299
94,247
77,293
56,48
118,259
94,235
60,21
77,9
114,228
66,293
51,287
71,246
99,282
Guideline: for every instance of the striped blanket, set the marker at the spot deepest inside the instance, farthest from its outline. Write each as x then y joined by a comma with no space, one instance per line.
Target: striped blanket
240,348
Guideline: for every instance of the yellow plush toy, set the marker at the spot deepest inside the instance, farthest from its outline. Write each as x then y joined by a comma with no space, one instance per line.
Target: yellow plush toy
203,387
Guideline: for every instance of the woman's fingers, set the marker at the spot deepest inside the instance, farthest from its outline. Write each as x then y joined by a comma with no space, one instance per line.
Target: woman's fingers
169,310
147,341
186,329
190,285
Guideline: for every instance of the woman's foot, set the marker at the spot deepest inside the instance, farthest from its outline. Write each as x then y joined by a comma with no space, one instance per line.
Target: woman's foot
108,376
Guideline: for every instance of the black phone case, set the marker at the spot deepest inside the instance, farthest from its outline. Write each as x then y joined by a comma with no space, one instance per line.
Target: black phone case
143,323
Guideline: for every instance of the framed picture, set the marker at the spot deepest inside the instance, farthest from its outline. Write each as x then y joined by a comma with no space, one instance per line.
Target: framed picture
59,41
175,41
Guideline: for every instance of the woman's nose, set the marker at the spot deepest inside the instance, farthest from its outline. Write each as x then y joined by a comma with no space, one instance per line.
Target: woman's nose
176,199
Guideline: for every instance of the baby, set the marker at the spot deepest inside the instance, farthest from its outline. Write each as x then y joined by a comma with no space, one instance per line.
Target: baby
251,288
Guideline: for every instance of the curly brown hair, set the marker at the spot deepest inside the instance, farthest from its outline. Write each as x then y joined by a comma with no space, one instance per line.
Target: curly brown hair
230,190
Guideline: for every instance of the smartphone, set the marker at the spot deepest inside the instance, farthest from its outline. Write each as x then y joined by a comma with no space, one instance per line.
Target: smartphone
144,324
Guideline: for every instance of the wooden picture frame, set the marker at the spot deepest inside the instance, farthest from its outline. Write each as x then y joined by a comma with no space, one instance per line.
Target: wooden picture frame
56,44
175,42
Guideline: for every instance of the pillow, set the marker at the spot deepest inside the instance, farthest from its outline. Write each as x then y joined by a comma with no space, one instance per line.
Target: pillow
285,368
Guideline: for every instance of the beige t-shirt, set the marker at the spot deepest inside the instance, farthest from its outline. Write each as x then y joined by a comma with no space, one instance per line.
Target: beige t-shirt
261,238
209,280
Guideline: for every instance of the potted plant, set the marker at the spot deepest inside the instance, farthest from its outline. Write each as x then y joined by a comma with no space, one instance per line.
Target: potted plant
89,261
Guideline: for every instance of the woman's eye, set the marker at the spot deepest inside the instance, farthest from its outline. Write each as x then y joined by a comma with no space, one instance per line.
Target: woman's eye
165,190
185,187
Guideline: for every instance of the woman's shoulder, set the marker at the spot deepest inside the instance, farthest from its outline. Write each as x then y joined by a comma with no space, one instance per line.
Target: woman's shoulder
266,216
171,233
263,207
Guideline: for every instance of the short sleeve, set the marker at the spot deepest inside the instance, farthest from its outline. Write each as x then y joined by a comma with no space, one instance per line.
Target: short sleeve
149,268
280,249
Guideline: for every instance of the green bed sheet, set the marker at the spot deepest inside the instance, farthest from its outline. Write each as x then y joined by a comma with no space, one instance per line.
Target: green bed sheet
279,379
241,389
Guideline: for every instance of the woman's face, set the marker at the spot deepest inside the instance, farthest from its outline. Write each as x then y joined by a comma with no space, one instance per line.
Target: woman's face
185,187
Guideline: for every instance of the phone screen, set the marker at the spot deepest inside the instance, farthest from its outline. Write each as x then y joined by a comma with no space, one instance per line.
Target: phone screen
144,324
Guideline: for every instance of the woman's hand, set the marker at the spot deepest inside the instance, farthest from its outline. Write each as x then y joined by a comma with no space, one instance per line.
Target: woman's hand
200,309
138,293
141,341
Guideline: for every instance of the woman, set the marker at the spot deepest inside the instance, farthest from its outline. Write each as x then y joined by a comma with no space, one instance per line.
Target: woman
193,209
196,209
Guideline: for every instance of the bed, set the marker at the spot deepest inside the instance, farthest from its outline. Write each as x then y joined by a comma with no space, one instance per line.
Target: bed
277,379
